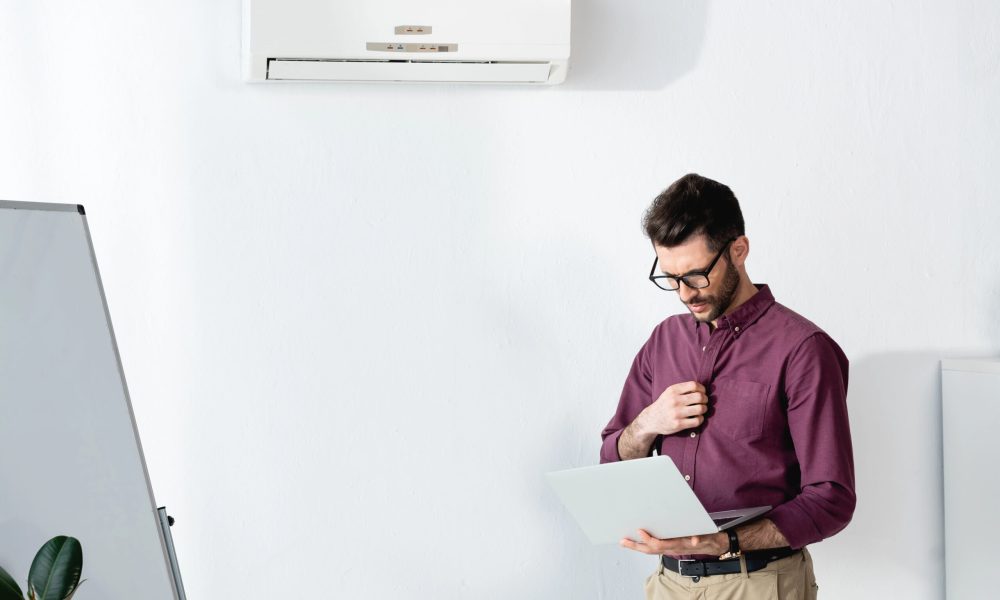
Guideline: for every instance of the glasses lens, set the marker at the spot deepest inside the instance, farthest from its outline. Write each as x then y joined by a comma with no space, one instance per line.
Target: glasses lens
696,281
666,283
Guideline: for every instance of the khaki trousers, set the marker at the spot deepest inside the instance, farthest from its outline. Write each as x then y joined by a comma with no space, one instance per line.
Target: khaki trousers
790,578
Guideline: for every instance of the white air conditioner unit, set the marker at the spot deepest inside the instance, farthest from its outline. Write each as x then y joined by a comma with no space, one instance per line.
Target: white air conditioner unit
501,41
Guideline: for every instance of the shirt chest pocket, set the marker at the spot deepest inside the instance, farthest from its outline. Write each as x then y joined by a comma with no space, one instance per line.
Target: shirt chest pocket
737,408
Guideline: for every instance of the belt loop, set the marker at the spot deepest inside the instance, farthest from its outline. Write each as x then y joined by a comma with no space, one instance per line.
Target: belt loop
659,571
743,567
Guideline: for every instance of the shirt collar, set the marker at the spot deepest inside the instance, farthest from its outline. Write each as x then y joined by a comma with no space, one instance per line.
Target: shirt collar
747,313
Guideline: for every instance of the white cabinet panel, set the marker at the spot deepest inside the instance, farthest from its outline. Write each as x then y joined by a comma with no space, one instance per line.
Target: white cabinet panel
971,422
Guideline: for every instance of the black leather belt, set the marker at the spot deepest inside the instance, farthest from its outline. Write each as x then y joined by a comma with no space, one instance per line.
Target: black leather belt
696,569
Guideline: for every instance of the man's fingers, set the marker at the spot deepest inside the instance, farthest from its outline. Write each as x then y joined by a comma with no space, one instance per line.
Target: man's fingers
693,387
687,387
646,544
690,399
680,406
651,543
694,398
694,410
633,545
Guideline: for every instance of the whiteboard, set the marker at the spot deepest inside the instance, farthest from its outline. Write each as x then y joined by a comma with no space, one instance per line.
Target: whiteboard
70,458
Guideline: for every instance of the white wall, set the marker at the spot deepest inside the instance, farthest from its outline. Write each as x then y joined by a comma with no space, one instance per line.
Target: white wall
352,359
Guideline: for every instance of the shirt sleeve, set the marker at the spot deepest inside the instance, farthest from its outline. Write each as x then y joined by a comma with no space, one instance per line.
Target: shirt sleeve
636,395
816,391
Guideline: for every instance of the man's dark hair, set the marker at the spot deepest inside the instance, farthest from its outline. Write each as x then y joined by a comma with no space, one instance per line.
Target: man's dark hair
694,205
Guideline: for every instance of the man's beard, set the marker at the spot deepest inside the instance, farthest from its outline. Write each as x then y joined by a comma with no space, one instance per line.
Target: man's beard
720,302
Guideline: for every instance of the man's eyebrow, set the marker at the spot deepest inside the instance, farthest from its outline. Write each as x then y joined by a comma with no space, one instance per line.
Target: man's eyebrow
691,272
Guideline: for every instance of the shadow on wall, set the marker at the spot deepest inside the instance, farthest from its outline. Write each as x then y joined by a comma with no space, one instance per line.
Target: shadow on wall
634,44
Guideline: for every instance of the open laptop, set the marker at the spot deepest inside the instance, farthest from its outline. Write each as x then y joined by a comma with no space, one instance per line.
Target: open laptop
615,500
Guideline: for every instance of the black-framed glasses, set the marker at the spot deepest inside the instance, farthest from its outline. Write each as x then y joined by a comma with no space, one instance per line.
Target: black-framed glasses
695,280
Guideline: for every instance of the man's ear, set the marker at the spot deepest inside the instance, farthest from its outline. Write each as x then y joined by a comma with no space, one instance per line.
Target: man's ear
739,250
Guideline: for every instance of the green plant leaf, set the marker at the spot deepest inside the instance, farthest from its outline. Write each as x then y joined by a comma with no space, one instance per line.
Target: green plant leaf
55,572
8,587
75,590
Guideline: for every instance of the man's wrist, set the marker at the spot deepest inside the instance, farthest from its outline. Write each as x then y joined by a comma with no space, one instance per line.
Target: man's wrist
639,433
722,539
632,444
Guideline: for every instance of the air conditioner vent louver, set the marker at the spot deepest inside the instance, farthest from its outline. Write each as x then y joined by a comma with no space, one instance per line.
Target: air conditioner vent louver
407,70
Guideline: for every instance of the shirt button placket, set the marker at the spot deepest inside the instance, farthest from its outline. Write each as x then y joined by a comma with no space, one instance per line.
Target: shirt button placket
690,455
705,374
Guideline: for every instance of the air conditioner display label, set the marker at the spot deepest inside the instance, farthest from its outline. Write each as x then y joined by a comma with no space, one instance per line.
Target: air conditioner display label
410,47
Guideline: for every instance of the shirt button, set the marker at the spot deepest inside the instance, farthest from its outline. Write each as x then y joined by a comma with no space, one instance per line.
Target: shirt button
736,329
687,478
703,348
693,434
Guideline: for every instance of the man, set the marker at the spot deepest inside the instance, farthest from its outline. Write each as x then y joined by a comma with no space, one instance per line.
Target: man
749,400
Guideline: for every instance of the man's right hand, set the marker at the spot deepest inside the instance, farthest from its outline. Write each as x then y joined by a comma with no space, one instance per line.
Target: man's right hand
680,406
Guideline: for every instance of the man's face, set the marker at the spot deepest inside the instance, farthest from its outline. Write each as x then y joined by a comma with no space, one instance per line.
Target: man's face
706,304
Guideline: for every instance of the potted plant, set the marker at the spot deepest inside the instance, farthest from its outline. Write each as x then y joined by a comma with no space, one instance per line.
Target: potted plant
54,574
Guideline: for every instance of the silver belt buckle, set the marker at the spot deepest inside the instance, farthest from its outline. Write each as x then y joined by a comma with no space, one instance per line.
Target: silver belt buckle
680,569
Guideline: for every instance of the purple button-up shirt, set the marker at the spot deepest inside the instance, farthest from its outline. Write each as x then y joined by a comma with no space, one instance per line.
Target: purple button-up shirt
776,432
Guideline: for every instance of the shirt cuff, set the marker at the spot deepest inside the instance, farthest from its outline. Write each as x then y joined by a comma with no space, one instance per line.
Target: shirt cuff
797,527
609,449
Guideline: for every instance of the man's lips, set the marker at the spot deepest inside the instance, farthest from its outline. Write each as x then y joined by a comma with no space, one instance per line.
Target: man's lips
698,307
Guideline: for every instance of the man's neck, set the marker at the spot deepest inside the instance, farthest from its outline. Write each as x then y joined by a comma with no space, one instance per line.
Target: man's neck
745,292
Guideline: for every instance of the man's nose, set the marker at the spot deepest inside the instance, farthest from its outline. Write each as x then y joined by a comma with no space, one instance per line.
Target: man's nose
686,293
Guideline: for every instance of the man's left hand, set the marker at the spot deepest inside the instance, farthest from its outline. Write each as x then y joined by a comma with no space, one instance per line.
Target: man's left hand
714,544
